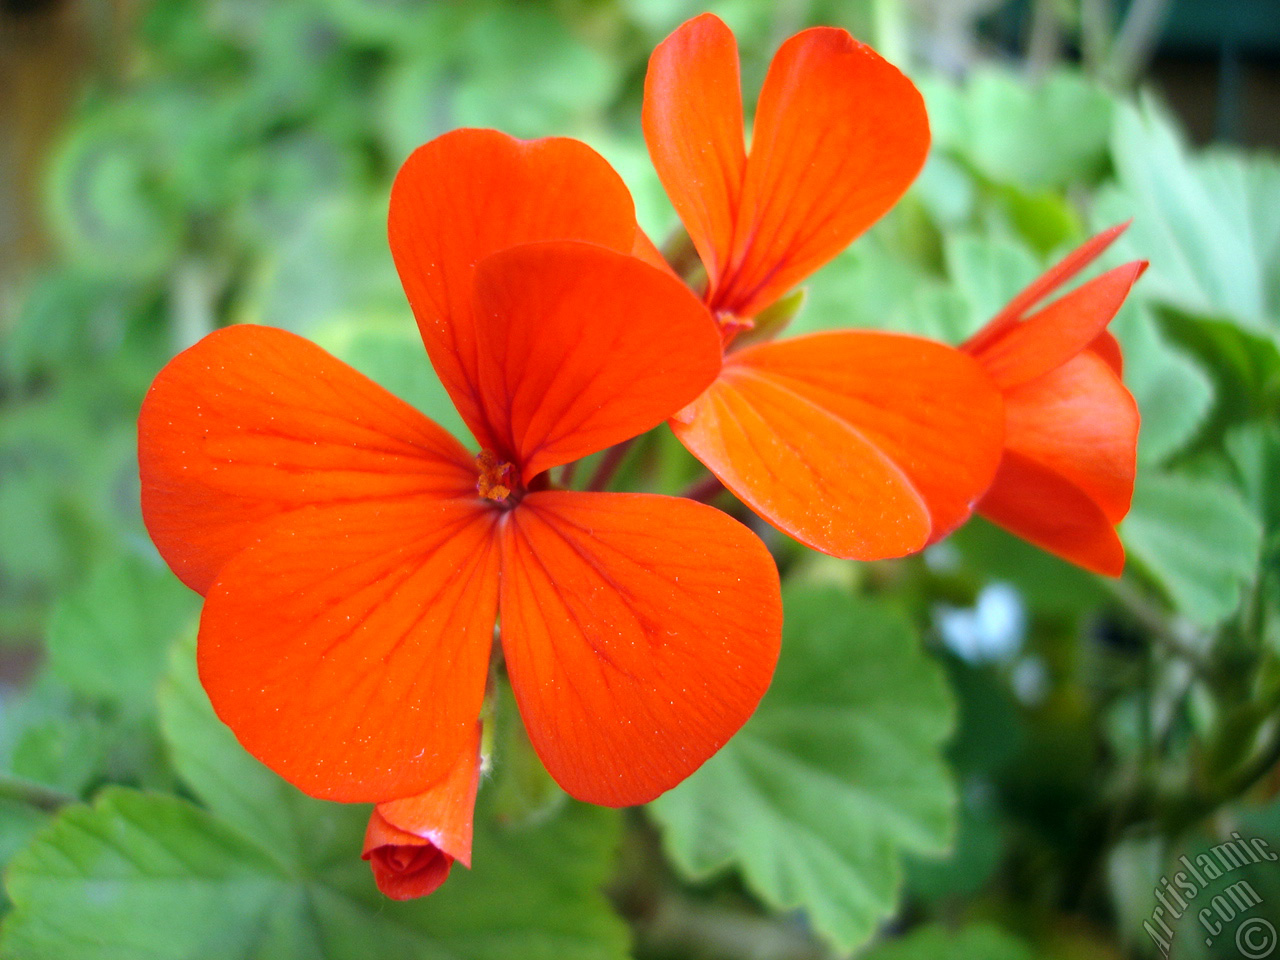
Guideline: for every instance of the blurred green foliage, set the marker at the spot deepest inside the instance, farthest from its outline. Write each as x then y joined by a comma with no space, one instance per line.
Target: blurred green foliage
979,753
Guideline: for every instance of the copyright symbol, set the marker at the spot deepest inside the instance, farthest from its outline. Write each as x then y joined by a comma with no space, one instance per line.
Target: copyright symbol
1255,938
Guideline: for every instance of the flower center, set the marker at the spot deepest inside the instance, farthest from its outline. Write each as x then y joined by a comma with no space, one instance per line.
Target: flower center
731,325
497,478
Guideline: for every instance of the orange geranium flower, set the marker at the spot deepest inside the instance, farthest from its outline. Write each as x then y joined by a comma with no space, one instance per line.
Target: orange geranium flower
860,444
1071,435
354,556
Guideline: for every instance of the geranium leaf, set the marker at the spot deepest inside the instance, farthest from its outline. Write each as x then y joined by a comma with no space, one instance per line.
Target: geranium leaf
1198,540
267,872
837,774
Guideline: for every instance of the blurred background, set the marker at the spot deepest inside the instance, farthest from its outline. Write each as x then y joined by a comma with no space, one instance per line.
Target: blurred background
171,166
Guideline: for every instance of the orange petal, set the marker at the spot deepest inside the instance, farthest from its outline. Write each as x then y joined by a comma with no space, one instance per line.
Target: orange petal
839,135
443,814
470,193
1106,346
584,347
405,866
1060,331
806,471
646,250
862,445
1035,503
412,843
348,648
1080,422
1045,284
640,633
252,423
693,127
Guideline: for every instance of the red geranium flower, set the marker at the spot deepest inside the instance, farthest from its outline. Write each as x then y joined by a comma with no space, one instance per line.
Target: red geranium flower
860,444
354,556
1071,433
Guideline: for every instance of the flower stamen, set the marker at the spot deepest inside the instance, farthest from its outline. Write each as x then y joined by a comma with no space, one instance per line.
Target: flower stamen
497,477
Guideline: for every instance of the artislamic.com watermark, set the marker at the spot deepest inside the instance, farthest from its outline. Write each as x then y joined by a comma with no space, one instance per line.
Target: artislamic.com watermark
1232,911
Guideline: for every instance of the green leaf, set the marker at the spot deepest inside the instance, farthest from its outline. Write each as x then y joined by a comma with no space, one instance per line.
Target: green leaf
868,286
969,866
286,176
975,942
1205,222
66,752
947,190
18,824
412,107
837,774
234,785
108,638
1244,365
423,28
1174,393
522,790
1035,136
1043,218
104,202
1198,540
334,264
1255,453
527,48
266,872
153,877
149,876
988,273
64,319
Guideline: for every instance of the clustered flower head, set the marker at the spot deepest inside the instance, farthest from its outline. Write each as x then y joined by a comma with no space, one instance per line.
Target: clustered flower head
355,558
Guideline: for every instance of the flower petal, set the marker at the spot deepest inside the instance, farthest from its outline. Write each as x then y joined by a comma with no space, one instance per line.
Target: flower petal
839,135
583,347
348,649
1060,331
1045,284
1106,346
470,193
862,445
1037,504
405,866
1080,422
693,127
640,633
806,471
444,813
646,250
252,423
412,843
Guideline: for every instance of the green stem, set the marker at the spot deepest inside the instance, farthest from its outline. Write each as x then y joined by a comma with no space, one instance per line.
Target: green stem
1095,33
32,794
1044,42
1176,636
704,490
1136,40
609,464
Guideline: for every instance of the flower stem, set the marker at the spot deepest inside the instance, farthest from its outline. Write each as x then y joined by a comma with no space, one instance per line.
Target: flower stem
704,490
609,465
32,794
567,473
